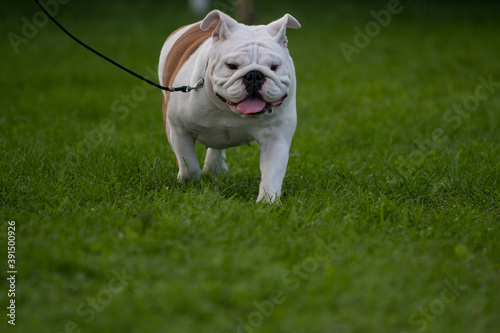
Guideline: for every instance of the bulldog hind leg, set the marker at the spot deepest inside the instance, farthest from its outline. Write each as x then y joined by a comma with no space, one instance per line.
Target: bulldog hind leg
215,162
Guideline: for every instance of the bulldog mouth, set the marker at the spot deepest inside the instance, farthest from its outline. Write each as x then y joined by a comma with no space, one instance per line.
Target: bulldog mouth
254,104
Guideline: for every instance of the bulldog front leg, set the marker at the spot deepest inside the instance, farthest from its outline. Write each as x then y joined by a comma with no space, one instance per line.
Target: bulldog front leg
183,147
273,161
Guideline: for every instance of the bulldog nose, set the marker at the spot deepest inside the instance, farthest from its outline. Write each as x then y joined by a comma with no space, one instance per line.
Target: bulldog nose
253,81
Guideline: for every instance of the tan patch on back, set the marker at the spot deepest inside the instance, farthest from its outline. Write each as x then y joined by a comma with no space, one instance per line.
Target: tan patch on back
180,52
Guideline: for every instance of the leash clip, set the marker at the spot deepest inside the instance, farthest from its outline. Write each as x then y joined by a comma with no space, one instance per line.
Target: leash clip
197,85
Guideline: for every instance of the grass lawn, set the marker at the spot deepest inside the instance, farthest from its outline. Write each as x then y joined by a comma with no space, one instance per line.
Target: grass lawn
390,218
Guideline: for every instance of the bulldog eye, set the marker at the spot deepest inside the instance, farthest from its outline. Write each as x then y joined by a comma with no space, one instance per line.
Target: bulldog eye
274,68
232,66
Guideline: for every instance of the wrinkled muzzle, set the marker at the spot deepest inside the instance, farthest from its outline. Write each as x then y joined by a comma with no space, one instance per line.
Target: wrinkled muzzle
254,93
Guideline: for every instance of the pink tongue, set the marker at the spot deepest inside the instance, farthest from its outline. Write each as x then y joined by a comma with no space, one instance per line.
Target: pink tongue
252,104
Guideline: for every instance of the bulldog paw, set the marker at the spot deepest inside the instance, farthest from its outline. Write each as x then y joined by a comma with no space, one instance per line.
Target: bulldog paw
265,197
186,177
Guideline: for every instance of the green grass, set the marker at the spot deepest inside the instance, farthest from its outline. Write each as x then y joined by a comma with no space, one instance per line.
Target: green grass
377,218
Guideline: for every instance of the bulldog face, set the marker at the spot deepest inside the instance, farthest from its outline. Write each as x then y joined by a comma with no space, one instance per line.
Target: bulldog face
250,68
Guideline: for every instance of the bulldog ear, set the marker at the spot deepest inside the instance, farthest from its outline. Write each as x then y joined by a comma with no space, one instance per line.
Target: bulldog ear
225,24
278,27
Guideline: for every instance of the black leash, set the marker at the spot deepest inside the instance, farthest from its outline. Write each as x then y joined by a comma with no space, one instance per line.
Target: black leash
198,84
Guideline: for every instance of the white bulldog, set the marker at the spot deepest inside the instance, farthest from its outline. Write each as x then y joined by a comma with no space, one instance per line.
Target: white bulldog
248,95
